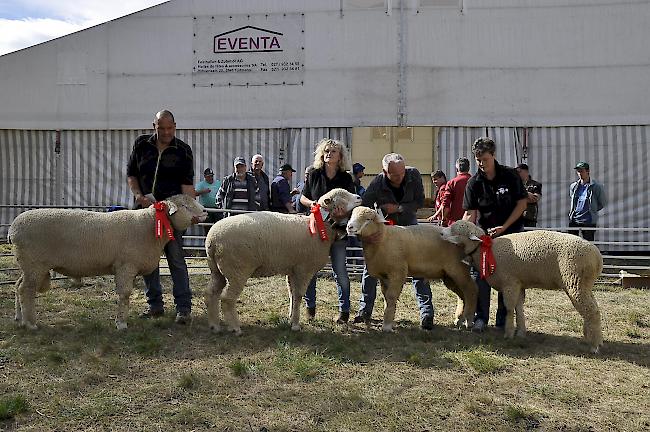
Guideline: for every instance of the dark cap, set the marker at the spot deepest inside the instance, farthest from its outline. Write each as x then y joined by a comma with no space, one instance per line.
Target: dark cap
357,168
208,171
523,166
239,161
582,165
287,167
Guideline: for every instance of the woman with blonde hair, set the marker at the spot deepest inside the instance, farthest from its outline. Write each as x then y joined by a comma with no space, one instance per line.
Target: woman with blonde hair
331,163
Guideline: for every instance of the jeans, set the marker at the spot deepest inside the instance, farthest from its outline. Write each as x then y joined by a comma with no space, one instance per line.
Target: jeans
483,302
180,278
586,234
369,294
340,272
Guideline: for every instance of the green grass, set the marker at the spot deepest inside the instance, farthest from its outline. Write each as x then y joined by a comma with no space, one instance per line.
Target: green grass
77,372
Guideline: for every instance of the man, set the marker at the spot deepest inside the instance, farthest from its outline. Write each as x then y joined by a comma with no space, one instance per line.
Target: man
357,175
452,198
281,191
399,192
494,199
300,208
207,190
439,180
534,190
587,199
239,190
160,166
264,188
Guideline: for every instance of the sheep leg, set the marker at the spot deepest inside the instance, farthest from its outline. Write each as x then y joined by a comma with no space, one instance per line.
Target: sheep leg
391,290
19,310
297,287
520,315
511,294
462,284
213,297
229,297
583,300
26,291
124,287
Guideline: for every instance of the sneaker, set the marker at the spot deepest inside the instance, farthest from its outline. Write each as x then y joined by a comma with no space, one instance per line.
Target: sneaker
361,317
343,317
479,326
426,323
152,313
183,318
311,313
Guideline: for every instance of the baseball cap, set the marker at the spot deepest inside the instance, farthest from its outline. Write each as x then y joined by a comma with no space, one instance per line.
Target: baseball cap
287,167
582,165
239,161
523,166
357,168
208,171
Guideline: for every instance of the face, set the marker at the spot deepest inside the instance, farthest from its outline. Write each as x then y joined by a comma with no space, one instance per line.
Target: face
209,178
485,161
331,155
396,172
583,174
257,163
165,129
523,174
288,174
438,181
240,169
359,175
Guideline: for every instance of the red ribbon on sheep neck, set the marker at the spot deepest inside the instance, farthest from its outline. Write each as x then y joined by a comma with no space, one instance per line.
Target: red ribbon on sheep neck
316,223
162,221
488,263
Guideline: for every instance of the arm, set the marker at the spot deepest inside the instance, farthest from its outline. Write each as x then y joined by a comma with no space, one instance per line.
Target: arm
189,190
134,185
470,215
516,214
418,194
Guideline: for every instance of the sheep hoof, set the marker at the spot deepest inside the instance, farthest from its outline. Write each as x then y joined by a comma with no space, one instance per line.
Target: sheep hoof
521,333
236,331
29,325
387,328
295,327
121,325
215,328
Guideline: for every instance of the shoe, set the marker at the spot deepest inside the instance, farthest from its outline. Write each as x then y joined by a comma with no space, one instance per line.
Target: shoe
152,313
426,323
183,318
361,317
479,326
343,317
311,313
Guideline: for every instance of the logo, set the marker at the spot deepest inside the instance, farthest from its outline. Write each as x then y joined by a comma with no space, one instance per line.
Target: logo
248,39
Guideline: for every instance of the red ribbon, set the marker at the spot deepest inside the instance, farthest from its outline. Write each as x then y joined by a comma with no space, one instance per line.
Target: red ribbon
389,222
488,262
162,221
316,224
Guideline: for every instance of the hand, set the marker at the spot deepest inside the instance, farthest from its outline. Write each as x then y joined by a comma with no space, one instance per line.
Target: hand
391,208
195,220
143,200
295,191
339,212
496,231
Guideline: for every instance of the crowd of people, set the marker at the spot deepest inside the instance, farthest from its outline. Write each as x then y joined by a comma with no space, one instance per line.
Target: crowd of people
499,199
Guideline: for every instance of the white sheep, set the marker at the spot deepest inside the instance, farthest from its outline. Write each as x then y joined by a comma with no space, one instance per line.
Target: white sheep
265,244
79,243
417,251
538,259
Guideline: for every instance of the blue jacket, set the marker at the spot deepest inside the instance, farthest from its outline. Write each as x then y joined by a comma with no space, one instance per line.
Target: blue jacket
595,197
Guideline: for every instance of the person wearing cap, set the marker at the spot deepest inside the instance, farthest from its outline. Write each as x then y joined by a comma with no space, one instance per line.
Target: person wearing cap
238,191
281,190
207,190
331,162
452,198
160,166
587,199
495,199
534,190
357,175
263,185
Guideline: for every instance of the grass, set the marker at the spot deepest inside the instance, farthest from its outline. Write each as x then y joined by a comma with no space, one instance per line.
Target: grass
77,372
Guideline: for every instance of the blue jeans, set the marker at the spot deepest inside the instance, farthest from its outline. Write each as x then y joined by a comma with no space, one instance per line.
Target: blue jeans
483,302
180,278
369,294
340,272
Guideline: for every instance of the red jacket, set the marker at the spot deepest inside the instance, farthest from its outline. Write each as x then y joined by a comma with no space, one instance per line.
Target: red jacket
453,197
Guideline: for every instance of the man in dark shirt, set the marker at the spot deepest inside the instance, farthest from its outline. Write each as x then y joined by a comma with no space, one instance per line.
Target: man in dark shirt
281,190
160,166
495,199
399,192
534,190
263,186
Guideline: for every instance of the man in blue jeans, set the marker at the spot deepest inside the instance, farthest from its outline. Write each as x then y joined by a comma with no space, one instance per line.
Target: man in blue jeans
398,191
160,166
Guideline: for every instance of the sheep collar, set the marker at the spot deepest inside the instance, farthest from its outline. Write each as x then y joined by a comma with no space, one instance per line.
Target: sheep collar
162,221
316,223
487,264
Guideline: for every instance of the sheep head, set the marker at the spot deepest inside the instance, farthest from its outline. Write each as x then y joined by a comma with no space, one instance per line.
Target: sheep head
182,209
364,221
463,233
339,202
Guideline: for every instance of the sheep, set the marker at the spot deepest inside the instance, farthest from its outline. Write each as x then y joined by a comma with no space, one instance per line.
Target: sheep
417,251
541,259
265,244
79,243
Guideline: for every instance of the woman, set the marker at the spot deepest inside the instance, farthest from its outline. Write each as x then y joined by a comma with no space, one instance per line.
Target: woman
331,162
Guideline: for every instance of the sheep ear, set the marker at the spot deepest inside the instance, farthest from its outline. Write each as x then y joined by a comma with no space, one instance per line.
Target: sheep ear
327,202
473,237
172,208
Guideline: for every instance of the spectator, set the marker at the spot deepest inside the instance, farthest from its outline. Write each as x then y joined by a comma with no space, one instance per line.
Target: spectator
207,190
353,242
357,175
280,190
534,190
263,187
439,180
238,191
587,199
299,188
495,199
160,166
331,162
452,199
398,192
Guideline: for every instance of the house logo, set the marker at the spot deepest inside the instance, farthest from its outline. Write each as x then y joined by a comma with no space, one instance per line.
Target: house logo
248,39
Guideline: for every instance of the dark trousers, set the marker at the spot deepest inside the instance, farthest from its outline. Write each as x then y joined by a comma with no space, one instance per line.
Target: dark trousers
483,303
586,234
